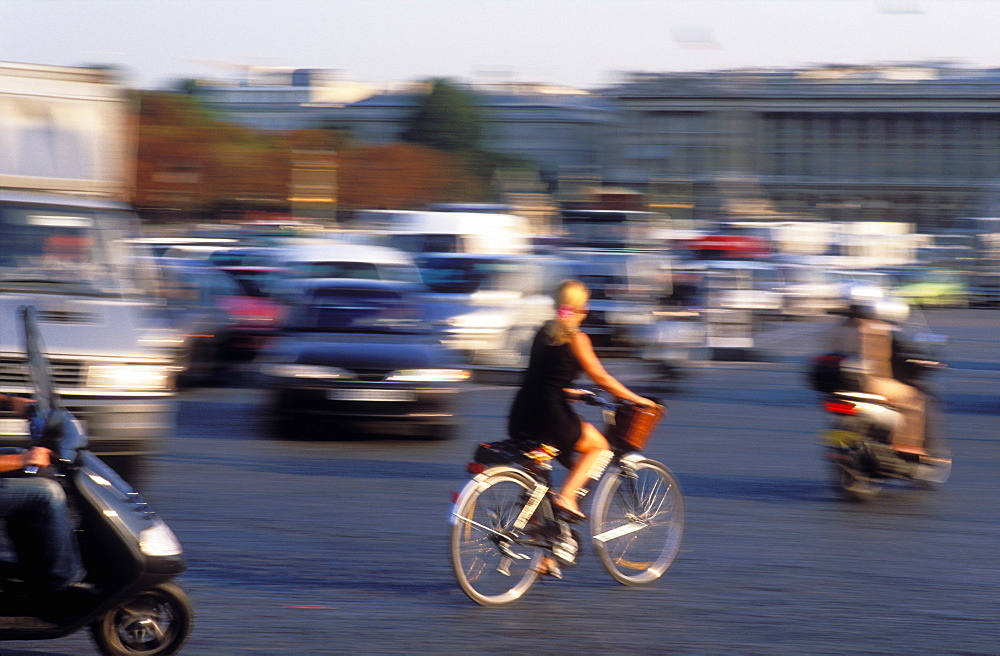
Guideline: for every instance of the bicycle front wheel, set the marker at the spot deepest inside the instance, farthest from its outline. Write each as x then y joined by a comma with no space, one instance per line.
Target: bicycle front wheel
638,521
492,567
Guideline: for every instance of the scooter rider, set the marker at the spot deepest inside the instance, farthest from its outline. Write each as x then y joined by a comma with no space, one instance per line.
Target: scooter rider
865,337
35,511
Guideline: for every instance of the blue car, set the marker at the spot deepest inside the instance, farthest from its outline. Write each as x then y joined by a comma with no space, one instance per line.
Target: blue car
358,357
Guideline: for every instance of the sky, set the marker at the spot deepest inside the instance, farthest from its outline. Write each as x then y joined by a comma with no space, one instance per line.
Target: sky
577,43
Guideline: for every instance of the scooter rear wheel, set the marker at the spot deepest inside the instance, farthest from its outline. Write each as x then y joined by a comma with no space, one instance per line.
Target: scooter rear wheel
853,485
154,623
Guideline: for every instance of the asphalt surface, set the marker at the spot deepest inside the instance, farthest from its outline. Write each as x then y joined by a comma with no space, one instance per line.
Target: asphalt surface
339,547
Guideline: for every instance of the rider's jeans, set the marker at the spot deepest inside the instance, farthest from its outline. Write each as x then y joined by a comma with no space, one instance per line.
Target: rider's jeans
38,525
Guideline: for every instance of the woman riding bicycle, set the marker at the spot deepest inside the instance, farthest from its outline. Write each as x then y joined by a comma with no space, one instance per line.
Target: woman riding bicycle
541,411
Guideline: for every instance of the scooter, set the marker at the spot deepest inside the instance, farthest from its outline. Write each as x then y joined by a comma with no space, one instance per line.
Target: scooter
859,447
128,599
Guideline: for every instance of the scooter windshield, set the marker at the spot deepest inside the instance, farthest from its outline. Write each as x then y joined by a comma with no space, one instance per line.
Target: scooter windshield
38,364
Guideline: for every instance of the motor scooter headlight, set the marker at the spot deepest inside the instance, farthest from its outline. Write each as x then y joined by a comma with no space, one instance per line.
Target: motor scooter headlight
159,540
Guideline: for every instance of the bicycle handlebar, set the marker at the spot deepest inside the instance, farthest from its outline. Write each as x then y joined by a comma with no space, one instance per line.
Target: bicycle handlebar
592,398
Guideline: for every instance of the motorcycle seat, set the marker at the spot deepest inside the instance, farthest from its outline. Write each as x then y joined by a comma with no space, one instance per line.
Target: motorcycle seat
863,397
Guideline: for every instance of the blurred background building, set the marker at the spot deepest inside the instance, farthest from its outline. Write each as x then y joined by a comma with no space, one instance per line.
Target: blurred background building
913,143
919,144
558,128
280,98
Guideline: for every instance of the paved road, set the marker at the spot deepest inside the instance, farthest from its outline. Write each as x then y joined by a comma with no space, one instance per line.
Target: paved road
339,547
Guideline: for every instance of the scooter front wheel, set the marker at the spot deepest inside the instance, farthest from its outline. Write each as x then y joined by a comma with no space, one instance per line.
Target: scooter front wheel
154,623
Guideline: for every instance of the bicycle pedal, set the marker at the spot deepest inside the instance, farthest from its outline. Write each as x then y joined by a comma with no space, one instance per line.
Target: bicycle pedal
506,552
566,551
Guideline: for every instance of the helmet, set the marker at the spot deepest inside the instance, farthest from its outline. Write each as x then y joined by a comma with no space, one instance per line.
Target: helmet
892,309
868,301
860,299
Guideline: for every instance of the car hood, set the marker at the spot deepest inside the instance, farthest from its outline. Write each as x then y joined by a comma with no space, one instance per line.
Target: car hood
367,351
85,327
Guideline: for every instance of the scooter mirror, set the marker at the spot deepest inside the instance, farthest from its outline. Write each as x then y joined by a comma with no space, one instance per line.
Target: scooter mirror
39,374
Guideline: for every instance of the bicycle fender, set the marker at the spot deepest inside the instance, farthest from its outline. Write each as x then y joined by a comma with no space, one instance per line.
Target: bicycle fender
479,480
633,458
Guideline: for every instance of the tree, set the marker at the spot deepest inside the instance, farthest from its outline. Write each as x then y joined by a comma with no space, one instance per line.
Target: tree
189,161
447,119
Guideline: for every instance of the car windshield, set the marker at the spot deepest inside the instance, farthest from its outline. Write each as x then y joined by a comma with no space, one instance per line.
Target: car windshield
77,251
356,310
465,275
356,270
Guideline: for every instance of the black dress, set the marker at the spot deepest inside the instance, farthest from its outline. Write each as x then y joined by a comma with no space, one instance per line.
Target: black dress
540,411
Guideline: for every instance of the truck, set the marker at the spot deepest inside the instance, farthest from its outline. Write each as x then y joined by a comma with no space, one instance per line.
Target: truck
66,232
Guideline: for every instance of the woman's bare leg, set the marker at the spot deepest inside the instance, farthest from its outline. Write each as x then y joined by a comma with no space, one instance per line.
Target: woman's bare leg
590,446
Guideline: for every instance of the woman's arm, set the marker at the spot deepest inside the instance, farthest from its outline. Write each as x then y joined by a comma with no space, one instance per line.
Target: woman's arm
583,349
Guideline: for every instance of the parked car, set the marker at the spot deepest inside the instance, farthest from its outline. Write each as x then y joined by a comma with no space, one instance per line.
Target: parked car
806,290
984,290
676,337
754,287
330,258
256,313
202,303
934,288
359,356
489,307
883,281
626,290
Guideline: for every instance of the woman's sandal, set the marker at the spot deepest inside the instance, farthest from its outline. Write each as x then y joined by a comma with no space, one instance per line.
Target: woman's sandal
549,568
573,516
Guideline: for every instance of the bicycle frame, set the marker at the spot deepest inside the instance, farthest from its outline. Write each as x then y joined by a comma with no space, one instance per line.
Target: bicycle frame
506,531
539,499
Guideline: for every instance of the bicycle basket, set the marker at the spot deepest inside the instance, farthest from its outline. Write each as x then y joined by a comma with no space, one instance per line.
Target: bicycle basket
633,425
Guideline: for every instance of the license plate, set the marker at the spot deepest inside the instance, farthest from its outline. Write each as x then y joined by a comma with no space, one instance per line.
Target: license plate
370,395
13,426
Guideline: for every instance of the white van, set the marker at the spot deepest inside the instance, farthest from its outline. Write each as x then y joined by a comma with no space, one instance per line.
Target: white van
476,233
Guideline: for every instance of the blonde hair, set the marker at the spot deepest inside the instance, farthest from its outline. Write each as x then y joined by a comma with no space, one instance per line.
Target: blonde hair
571,297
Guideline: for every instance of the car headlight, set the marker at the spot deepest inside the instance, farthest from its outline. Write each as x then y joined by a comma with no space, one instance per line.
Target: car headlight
428,376
478,321
130,376
159,540
286,370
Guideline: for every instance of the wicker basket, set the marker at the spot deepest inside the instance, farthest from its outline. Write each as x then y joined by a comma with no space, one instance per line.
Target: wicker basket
634,425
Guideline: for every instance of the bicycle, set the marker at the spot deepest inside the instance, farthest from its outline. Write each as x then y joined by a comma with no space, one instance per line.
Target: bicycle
504,525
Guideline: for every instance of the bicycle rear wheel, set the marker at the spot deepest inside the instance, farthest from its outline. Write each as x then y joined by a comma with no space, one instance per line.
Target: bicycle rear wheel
638,521
492,568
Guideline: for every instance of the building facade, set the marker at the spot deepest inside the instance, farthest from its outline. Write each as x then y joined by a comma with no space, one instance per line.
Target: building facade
919,144
561,130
